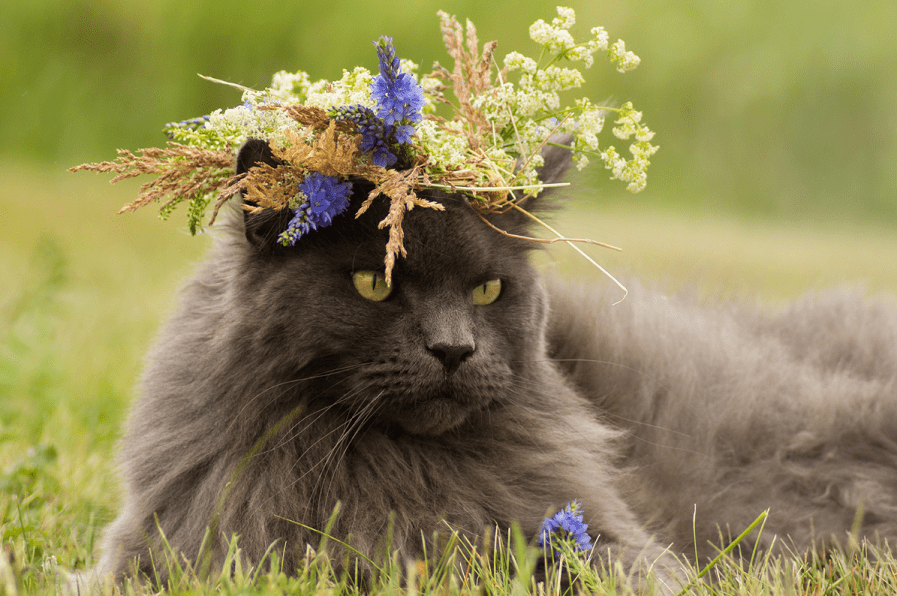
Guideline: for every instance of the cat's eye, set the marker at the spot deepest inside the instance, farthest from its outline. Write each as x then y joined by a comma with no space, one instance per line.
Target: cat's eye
487,293
371,285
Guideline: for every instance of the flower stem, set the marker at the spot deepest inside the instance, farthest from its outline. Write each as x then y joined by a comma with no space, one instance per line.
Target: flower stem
571,244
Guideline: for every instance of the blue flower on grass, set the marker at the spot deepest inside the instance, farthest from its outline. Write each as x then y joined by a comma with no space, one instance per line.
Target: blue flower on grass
326,198
566,524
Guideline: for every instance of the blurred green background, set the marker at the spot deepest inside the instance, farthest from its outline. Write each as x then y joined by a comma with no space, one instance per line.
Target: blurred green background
772,109
777,173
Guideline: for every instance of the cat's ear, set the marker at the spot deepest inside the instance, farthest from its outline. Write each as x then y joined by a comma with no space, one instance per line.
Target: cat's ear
262,229
557,160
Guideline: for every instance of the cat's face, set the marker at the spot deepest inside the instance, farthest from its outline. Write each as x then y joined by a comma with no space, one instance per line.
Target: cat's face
453,334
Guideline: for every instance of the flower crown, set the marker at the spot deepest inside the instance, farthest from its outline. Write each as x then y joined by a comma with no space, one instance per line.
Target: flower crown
385,129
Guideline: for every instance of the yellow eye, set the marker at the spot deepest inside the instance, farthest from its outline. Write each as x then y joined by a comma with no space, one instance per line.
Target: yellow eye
487,293
371,285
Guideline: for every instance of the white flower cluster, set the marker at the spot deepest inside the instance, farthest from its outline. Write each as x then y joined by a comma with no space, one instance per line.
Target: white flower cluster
555,36
556,39
630,123
235,125
514,115
243,122
514,111
554,78
289,87
353,88
445,143
409,66
634,171
229,129
585,135
624,59
432,93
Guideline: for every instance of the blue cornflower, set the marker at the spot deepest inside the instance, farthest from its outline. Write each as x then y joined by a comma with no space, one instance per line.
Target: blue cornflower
298,227
382,156
192,124
403,133
326,198
570,521
374,132
399,100
397,94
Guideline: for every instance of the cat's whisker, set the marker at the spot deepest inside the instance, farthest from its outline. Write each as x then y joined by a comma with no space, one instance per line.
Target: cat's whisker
632,434
304,423
292,434
342,444
291,383
562,420
637,371
358,422
644,424
308,448
320,413
251,400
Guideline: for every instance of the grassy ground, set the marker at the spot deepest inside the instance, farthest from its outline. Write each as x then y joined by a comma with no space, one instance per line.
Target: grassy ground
82,291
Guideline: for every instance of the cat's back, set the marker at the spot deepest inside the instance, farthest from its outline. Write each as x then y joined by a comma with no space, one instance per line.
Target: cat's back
735,409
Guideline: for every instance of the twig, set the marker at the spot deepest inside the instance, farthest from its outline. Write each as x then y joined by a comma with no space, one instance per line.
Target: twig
576,248
546,240
228,83
494,188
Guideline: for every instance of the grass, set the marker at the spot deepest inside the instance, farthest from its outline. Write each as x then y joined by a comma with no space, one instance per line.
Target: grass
82,292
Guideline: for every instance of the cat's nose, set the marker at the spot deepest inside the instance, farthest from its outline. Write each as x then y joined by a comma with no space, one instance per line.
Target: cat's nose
451,355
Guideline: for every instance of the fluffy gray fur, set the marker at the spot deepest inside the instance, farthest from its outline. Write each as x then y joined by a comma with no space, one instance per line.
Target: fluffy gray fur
729,411
277,391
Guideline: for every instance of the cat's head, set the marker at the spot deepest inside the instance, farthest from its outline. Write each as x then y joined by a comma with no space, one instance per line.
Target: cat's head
455,333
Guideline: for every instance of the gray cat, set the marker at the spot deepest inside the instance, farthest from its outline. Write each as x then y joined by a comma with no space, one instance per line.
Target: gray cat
462,397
